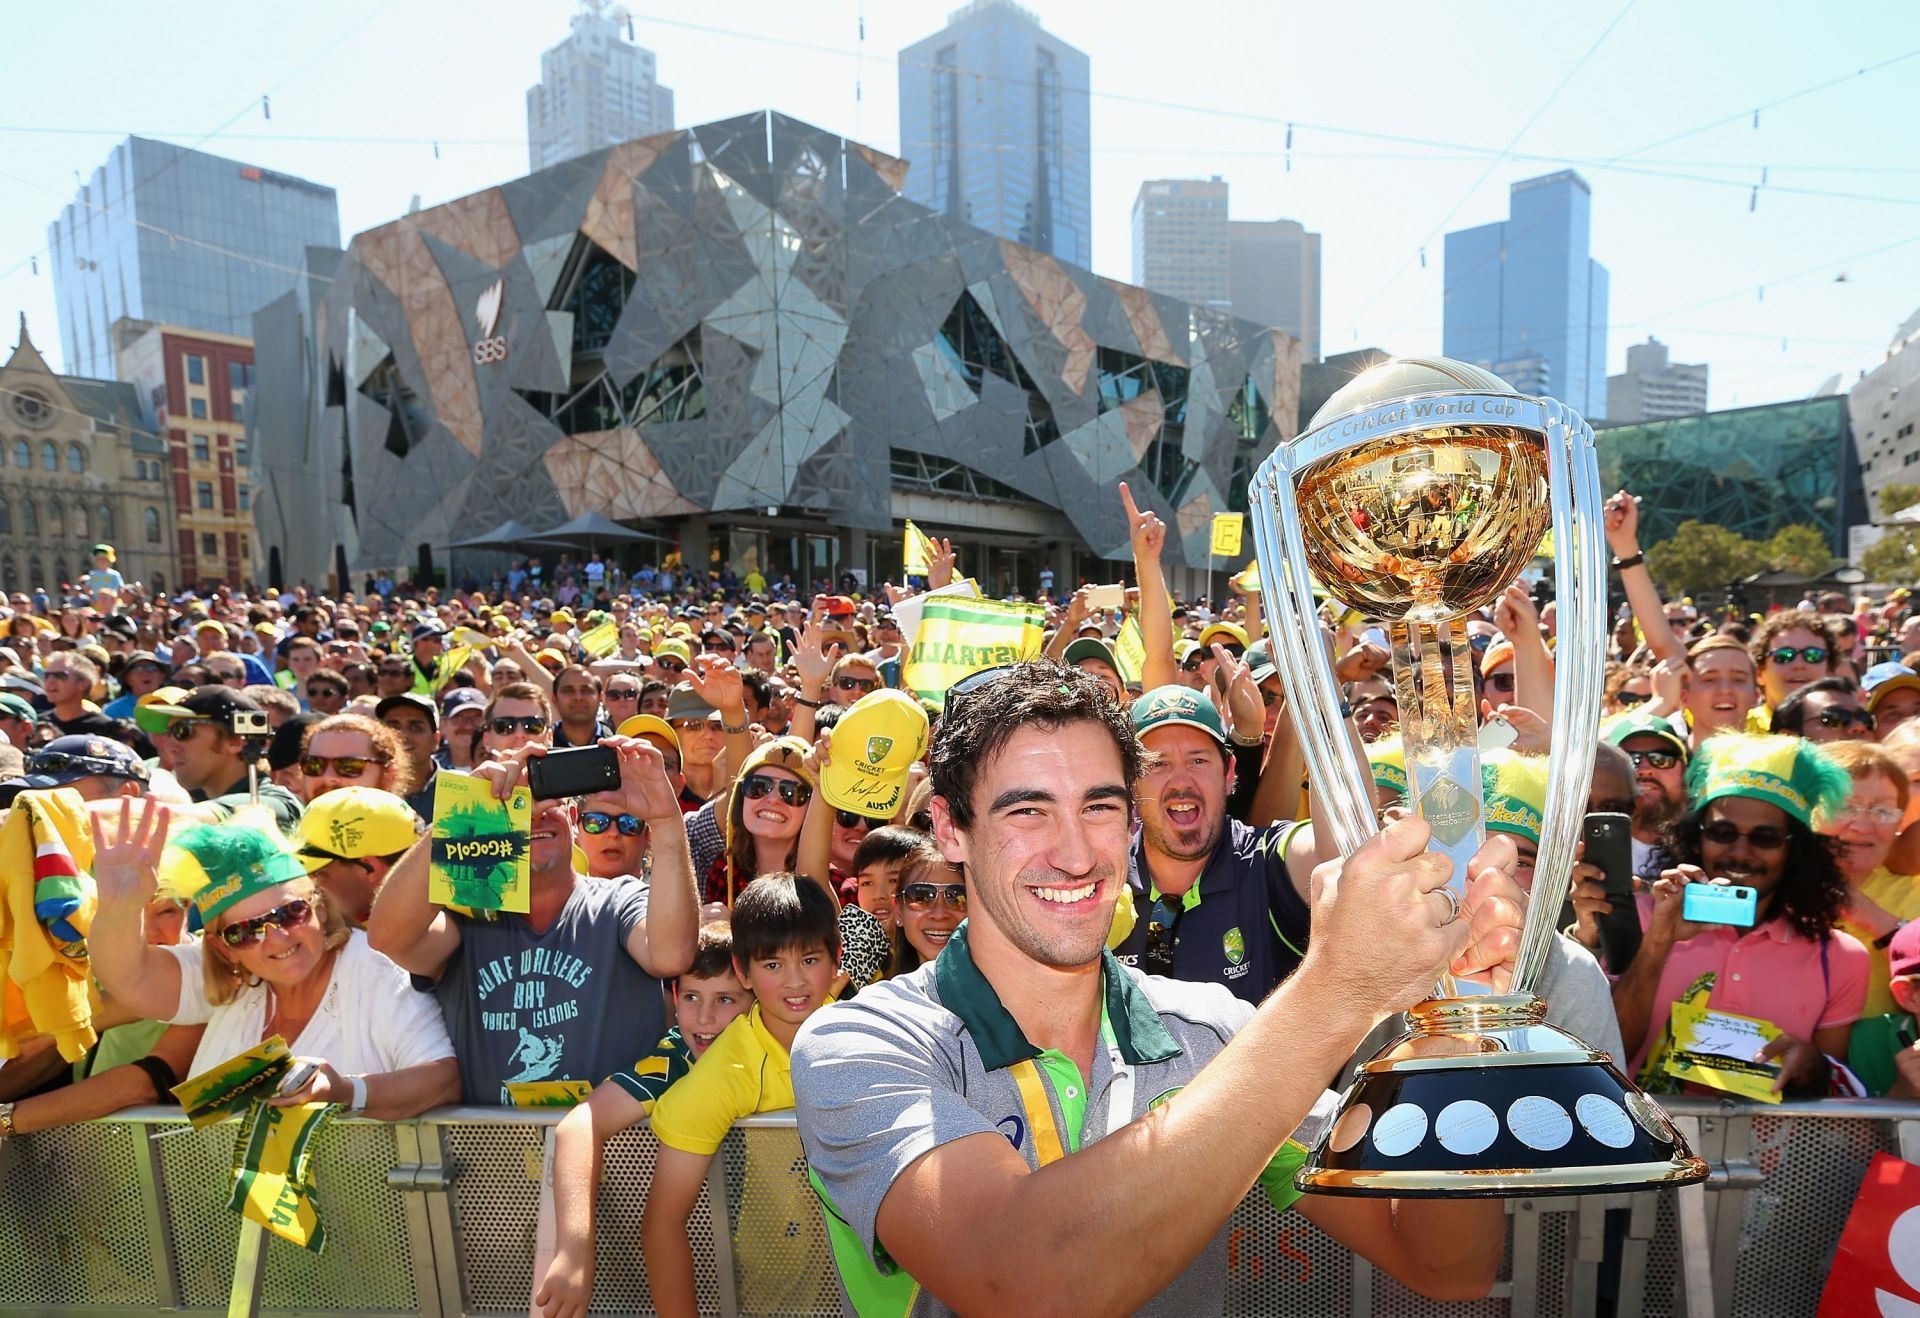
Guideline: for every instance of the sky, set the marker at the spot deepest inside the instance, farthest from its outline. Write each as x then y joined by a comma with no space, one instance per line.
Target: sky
1408,120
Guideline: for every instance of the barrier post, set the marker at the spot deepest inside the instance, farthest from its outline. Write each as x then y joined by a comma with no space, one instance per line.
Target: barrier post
1524,1233
416,1181
715,1193
249,1268
146,1173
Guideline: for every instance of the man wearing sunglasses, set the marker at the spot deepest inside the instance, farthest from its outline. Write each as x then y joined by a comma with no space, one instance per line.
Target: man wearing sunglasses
1658,751
927,1103
1829,709
68,680
350,840
213,749
572,989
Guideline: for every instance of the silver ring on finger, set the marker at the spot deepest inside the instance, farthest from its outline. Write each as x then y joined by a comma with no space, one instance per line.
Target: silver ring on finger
1453,904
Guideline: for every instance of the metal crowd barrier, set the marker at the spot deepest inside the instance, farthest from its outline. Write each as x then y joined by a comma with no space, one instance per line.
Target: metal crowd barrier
438,1216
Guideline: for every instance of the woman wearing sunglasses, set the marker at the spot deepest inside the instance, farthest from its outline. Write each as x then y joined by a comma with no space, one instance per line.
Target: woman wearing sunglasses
275,959
931,904
1754,801
1790,649
352,750
763,812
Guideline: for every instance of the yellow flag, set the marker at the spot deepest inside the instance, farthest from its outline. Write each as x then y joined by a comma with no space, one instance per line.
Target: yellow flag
1250,579
273,1172
1130,651
919,551
1226,534
601,641
958,636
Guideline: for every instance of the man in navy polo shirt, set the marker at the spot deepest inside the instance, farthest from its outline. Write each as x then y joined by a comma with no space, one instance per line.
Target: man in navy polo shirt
1213,899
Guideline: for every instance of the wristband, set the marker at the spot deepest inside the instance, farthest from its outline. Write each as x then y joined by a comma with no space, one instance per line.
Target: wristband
1886,939
1632,560
732,731
810,704
161,1074
359,1103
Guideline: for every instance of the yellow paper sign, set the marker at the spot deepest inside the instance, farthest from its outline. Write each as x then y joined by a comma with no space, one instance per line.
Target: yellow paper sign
549,1093
958,636
229,1087
601,641
478,852
1130,651
1717,1048
917,552
1226,534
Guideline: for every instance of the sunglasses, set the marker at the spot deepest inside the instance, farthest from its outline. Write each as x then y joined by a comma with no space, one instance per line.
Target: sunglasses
504,727
597,822
622,695
343,766
853,819
1813,654
860,684
671,665
1498,681
979,681
1836,717
184,729
386,671
1631,698
318,692
720,647
61,762
1479,643
792,791
1723,834
921,896
1656,759
248,932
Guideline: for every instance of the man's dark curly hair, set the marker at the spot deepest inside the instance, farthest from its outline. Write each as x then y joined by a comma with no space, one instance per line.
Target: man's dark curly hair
1813,892
978,723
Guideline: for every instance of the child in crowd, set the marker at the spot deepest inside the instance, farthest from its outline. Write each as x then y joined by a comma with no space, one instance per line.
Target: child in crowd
1885,1050
707,999
786,942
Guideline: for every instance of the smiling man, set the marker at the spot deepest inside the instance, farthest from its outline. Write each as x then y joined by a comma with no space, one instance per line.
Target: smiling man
988,1110
572,989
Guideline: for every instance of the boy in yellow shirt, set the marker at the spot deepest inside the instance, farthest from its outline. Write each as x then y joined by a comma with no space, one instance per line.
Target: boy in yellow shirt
786,943
707,999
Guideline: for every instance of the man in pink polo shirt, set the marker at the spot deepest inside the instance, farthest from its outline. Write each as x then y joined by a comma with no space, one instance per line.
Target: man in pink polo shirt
1753,799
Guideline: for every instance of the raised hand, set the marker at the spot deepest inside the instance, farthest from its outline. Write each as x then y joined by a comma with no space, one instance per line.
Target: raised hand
1514,614
645,788
940,568
126,858
716,681
1622,516
1145,531
810,661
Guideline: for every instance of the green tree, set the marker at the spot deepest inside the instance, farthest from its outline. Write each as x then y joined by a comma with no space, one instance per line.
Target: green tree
1895,559
1703,556
1799,548
1895,497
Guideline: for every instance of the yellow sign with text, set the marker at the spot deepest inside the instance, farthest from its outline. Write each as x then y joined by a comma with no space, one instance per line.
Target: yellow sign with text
1227,528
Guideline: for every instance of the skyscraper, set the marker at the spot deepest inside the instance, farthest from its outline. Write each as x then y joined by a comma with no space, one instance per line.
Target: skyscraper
995,117
596,88
1654,387
1180,240
168,235
1526,301
1276,278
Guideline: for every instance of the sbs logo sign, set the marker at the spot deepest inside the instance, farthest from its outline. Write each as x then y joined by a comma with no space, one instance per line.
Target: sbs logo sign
491,347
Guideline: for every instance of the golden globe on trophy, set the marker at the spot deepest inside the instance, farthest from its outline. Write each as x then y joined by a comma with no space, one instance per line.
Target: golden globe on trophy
1419,493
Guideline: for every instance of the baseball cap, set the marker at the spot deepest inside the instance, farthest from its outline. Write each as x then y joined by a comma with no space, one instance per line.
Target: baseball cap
1169,706
283,752
422,703
149,711
1882,679
1903,953
875,743
673,649
1498,655
427,631
1618,730
69,759
1090,647
139,657
19,679
462,697
213,701
12,706
350,823
560,618
1224,632
649,725
685,703
1259,659
209,625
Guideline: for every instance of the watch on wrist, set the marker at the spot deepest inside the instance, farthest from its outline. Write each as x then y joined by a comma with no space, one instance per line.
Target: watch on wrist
1635,559
802,700
731,730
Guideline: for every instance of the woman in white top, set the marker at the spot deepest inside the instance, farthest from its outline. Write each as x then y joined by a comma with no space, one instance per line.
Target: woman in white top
275,958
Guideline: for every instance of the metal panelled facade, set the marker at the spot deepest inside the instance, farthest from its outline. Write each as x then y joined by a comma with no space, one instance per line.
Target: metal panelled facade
1753,470
741,317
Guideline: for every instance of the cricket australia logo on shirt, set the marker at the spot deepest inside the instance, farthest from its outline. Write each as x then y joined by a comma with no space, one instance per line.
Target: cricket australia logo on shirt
1235,946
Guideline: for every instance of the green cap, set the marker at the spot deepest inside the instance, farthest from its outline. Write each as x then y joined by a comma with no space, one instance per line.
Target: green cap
14,706
1167,706
213,866
1513,789
1618,730
1259,658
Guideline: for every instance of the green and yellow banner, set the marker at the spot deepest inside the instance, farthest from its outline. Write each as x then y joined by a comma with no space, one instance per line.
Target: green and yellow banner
1130,652
601,641
918,551
958,636
273,1172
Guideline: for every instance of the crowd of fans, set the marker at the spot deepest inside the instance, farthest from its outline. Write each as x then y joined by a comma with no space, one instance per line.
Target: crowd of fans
248,779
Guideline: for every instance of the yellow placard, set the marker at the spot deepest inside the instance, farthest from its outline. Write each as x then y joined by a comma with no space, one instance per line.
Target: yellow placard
601,641
231,1086
1226,534
478,852
548,1093
1130,651
958,636
1717,1048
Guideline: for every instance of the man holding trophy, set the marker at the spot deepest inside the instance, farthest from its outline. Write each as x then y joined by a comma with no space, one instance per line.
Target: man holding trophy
993,1109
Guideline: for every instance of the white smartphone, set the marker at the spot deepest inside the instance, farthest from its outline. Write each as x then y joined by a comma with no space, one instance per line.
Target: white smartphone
1107,597
296,1079
1496,734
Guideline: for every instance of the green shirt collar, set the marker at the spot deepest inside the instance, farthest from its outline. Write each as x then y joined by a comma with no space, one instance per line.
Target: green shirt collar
965,992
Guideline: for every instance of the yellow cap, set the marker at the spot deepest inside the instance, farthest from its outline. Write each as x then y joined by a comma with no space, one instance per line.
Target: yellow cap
560,618
1223,632
650,725
875,743
350,823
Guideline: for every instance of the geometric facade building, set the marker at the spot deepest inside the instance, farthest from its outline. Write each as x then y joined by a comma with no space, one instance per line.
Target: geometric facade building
741,336
1752,470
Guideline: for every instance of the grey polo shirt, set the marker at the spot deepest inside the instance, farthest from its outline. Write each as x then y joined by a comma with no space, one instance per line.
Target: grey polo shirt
917,1062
